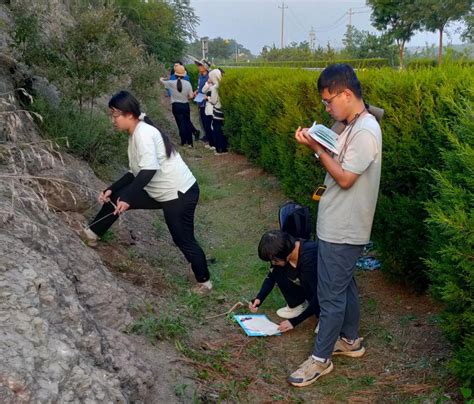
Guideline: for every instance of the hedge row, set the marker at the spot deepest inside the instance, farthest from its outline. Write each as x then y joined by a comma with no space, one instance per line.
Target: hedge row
424,112
356,63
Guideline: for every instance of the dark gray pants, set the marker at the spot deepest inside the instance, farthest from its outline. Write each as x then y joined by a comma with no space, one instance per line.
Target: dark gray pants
338,296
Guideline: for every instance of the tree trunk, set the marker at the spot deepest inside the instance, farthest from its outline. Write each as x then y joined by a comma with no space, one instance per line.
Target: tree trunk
401,49
440,49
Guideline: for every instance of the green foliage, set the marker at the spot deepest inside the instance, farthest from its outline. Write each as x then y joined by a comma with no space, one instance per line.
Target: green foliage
220,50
356,63
451,243
89,136
364,45
193,74
398,18
162,26
85,58
263,108
158,328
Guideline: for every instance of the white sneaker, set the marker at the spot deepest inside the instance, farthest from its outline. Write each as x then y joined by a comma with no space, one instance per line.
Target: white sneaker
288,312
89,237
202,288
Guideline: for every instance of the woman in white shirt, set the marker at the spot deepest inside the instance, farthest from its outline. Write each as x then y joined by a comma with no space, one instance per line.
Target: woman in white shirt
158,179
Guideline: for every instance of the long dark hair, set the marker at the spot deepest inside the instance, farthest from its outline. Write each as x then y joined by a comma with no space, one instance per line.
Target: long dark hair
179,85
125,102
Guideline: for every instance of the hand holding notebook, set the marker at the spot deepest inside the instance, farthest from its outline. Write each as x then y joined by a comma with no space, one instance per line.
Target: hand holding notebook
324,136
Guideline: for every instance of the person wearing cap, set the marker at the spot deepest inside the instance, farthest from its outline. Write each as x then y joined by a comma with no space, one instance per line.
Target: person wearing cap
195,132
181,92
206,120
158,179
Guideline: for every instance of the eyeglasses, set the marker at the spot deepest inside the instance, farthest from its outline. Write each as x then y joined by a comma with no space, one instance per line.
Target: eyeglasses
328,102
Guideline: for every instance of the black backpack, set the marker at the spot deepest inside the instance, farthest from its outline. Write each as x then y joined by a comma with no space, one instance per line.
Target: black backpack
295,220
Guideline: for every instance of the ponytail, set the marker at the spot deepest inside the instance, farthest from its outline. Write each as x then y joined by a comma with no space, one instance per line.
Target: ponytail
125,102
179,85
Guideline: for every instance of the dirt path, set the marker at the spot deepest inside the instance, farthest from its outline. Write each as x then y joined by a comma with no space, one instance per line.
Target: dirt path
405,351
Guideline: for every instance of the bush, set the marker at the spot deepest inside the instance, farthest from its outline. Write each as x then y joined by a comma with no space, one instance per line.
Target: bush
451,244
263,108
356,63
90,137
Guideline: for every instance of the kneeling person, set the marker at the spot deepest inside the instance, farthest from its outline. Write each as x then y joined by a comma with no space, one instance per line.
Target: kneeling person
292,260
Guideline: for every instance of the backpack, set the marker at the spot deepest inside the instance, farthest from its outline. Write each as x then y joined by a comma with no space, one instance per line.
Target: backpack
295,220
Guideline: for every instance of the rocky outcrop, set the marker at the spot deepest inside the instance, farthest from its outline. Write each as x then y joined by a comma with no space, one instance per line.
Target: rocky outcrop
62,313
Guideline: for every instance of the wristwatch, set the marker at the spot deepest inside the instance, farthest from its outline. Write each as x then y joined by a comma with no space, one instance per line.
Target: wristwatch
317,155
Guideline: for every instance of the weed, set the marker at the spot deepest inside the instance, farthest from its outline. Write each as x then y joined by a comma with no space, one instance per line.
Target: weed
158,328
109,236
405,320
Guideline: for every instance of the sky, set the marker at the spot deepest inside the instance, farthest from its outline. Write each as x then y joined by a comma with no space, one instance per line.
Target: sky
256,23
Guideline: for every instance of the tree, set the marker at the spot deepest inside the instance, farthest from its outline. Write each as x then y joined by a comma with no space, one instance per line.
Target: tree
467,33
163,27
397,18
438,14
363,45
220,49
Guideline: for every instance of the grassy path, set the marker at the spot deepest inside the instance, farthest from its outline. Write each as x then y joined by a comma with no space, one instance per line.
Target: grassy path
405,351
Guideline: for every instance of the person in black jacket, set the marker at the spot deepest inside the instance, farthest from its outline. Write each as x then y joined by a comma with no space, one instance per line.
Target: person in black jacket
292,260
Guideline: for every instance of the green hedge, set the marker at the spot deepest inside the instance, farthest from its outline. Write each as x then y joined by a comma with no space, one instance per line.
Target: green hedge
264,107
356,63
424,220
451,243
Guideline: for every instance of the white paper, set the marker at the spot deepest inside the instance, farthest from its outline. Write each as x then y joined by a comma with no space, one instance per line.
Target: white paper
199,97
262,325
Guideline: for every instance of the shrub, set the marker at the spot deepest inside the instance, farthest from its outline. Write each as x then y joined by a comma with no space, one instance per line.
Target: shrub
356,63
88,136
451,244
263,108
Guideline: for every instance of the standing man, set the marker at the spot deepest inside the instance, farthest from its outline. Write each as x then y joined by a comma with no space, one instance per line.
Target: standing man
345,217
206,120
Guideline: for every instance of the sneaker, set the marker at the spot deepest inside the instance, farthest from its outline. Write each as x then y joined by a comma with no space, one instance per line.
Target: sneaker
216,153
202,288
288,312
207,146
354,350
310,371
89,237
212,148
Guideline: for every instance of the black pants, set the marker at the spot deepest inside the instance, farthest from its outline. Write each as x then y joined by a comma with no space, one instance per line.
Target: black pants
219,138
206,121
182,115
179,217
293,293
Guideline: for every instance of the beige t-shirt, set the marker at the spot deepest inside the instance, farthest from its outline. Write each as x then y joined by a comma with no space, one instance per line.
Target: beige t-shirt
146,151
345,216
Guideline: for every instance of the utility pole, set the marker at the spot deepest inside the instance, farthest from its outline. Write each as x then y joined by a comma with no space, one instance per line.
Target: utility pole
350,17
312,39
282,20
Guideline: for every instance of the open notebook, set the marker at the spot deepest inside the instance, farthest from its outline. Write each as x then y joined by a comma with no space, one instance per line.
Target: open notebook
257,325
324,136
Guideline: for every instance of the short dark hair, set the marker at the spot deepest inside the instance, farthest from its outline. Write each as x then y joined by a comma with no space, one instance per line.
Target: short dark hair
275,244
337,77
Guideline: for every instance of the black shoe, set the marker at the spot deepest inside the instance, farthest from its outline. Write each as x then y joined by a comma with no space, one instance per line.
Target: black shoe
196,134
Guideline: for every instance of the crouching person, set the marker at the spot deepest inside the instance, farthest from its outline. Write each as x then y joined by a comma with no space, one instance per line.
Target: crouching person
293,260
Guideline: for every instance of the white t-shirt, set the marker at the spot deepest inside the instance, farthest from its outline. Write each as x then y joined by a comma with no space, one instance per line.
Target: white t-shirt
146,151
345,216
